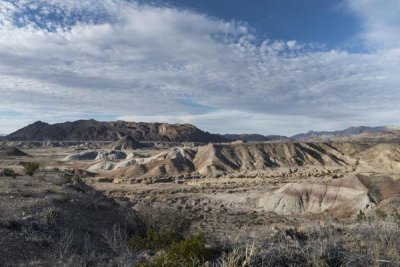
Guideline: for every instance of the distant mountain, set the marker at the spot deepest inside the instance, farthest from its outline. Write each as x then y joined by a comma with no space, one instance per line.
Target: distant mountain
92,130
253,137
352,132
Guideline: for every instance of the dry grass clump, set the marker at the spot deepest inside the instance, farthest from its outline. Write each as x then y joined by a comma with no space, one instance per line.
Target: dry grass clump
238,257
65,254
118,241
51,214
373,241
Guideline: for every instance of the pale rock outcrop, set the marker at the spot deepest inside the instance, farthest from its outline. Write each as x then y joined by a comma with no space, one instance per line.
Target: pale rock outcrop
348,194
102,166
111,155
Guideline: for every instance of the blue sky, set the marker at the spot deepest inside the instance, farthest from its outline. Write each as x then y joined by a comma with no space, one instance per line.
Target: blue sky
269,67
311,21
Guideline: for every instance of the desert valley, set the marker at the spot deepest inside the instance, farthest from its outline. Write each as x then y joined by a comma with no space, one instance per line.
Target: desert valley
188,133
124,194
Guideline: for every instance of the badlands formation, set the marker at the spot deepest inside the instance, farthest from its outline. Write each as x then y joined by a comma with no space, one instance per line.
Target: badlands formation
224,188
281,177
285,178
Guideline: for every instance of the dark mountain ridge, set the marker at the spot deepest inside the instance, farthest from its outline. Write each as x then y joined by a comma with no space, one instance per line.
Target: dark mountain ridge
92,130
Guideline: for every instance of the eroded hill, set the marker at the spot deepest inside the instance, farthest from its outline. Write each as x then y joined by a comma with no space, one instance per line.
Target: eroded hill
216,160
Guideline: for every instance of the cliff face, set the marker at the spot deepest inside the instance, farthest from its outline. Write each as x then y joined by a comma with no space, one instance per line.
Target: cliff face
91,130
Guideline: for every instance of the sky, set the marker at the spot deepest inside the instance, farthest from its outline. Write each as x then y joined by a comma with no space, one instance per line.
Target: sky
227,66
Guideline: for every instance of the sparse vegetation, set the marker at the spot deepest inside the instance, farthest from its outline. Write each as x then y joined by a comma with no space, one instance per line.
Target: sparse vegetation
30,168
74,218
162,229
67,177
363,243
8,172
118,241
51,214
167,235
395,216
239,256
353,244
381,214
66,197
191,251
361,216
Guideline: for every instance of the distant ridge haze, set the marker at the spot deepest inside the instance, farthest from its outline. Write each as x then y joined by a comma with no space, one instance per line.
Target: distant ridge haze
351,131
254,137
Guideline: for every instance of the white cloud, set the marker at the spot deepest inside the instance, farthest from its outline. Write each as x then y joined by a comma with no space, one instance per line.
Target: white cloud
380,21
120,59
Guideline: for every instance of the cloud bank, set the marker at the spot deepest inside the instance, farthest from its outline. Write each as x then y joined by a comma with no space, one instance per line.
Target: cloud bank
116,59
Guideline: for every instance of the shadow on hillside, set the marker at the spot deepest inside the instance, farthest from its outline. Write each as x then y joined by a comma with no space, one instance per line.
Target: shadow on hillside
57,219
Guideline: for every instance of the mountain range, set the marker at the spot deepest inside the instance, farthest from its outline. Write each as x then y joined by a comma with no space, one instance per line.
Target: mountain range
92,130
361,132
254,137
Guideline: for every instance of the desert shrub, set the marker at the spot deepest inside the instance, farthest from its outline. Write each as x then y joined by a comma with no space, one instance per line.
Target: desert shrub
395,214
155,239
191,251
167,234
361,216
118,241
67,177
66,197
380,214
80,186
379,241
51,214
162,229
363,243
9,173
31,167
154,218
238,257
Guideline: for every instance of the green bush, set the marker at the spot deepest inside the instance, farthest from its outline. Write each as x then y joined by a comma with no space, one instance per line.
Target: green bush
162,229
192,251
155,239
9,172
167,234
31,168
